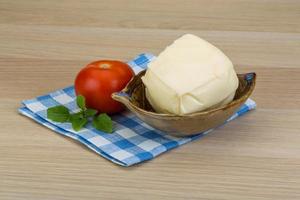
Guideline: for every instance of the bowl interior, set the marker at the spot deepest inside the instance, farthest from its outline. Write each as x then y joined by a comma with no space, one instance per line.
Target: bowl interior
135,90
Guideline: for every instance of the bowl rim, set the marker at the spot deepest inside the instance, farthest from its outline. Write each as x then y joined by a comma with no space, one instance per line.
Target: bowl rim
199,113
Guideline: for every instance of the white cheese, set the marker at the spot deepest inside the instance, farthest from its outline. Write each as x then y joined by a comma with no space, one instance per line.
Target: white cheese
190,75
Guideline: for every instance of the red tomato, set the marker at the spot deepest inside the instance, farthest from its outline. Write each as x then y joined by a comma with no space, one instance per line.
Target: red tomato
98,80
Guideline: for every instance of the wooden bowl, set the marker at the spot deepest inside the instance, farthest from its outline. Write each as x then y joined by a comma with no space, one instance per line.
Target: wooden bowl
134,98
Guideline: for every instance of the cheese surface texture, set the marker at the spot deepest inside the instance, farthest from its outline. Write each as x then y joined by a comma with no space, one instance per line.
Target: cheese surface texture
190,75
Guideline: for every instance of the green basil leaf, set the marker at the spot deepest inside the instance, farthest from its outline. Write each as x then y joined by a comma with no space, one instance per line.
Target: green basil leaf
78,123
80,100
75,116
103,123
90,112
58,114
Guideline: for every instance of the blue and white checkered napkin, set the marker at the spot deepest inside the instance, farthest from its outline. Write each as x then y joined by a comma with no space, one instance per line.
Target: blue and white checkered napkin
131,142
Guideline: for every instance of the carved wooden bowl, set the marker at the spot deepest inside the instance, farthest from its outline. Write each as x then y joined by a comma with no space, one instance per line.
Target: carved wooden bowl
134,98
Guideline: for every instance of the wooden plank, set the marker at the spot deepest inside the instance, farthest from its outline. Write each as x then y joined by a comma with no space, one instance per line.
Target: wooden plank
232,15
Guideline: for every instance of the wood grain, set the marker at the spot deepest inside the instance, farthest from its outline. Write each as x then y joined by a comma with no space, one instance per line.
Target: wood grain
44,43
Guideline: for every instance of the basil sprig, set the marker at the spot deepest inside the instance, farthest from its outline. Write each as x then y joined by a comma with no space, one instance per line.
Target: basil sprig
79,119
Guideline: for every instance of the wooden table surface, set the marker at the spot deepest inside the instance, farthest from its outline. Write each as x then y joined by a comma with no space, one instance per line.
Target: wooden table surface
44,43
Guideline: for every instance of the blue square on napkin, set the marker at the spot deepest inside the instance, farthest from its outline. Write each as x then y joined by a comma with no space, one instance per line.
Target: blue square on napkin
132,140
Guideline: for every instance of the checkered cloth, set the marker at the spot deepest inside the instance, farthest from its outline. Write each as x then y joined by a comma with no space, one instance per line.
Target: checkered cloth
131,142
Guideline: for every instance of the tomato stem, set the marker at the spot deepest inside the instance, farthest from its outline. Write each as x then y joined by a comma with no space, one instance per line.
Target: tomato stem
104,66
